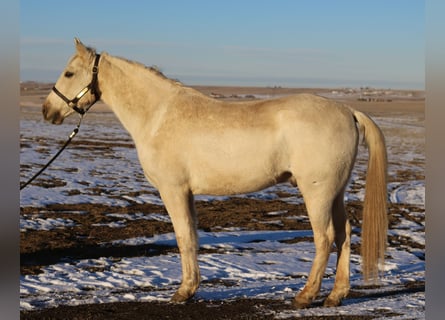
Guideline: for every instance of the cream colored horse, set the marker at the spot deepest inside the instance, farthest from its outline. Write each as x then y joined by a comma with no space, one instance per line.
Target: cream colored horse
190,144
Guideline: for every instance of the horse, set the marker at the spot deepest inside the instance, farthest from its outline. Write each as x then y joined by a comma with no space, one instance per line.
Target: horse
189,144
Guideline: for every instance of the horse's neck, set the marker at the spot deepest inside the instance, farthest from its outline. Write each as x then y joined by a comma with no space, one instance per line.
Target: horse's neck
132,92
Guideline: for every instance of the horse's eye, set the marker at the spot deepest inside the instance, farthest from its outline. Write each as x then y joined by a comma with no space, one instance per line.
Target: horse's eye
69,74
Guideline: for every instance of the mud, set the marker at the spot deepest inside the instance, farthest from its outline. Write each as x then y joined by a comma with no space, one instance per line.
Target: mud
86,240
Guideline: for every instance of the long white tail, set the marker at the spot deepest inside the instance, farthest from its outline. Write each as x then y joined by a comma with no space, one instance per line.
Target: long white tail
375,220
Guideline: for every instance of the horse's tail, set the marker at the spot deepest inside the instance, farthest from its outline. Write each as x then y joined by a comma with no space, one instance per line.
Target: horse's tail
375,220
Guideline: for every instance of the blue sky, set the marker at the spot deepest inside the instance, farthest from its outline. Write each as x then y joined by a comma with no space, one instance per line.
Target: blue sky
246,42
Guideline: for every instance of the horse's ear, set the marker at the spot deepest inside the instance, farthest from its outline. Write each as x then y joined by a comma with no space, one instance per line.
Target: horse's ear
80,47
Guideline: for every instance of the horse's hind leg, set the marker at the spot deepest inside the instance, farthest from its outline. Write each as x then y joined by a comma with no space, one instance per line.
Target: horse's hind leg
180,207
343,244
318,201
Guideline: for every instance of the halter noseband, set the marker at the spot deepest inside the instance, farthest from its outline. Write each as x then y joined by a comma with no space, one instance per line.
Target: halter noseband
92,86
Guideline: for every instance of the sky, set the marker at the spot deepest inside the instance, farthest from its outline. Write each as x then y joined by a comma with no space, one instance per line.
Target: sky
291,43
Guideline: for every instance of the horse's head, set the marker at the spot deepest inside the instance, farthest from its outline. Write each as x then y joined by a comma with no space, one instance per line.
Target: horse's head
76,89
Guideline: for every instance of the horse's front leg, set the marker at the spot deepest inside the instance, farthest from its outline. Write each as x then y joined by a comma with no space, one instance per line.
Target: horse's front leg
179,203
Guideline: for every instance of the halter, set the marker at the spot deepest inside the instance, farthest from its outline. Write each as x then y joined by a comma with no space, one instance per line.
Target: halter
92,86
73,104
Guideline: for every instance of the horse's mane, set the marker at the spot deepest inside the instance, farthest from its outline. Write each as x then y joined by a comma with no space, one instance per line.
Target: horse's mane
153,69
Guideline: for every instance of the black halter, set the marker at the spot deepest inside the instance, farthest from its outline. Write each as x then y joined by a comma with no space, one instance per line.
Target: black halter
90,87
73,104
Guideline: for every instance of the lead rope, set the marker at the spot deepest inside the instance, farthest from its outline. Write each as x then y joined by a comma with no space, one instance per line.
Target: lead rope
71,136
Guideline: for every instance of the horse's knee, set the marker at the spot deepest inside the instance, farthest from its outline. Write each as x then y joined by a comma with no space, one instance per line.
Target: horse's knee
323,240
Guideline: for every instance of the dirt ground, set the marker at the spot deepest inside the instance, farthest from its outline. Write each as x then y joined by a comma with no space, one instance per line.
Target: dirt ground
41,248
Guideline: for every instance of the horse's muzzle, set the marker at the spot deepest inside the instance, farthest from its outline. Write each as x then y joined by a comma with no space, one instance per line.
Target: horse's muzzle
53,117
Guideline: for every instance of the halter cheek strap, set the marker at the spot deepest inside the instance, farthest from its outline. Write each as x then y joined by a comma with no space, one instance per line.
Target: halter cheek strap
92,86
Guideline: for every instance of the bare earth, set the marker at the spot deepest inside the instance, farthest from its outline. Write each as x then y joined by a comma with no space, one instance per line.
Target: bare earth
41,248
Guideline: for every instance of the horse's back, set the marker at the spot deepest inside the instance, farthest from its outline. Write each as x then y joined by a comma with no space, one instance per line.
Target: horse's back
242,147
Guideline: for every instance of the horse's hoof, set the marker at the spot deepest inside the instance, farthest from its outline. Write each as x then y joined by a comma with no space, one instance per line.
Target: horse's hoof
180,298
330,303
300,304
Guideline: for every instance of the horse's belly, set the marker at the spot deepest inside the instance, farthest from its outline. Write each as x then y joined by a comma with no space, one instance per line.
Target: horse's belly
229,184
243,174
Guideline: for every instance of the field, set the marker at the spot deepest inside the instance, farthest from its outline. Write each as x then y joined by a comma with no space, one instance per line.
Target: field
97,243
